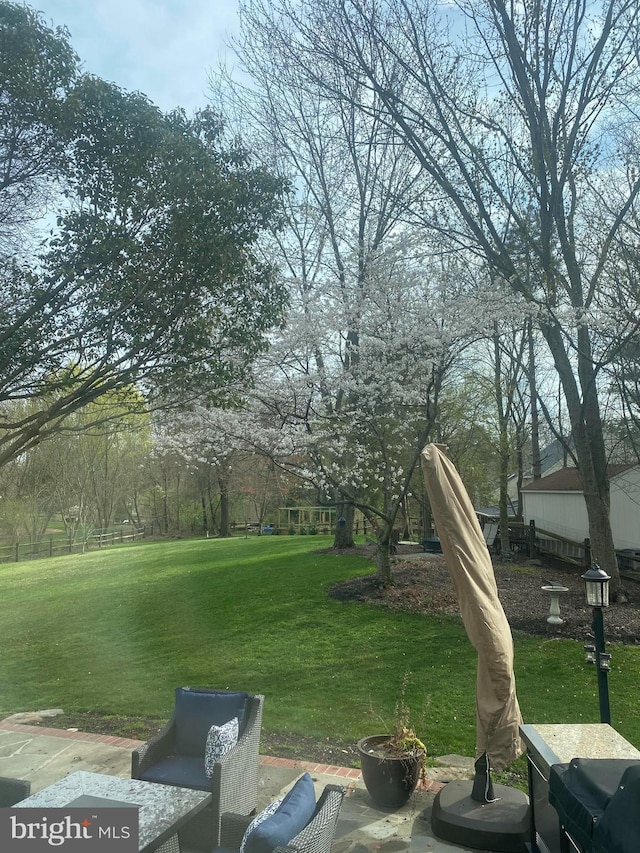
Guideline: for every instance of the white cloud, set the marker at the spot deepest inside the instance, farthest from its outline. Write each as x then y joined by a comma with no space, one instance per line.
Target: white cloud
164,48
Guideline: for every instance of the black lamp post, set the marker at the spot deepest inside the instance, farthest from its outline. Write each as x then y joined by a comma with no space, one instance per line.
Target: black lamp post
597,590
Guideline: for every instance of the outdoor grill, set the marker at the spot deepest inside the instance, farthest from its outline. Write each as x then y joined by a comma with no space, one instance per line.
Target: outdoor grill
597,803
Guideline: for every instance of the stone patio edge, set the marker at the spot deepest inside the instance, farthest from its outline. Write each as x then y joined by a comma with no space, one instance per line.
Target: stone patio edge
342,773
130,743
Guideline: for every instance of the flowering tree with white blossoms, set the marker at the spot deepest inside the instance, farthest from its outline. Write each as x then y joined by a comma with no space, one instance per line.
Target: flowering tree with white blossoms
228,452
377,315
360,432
352,192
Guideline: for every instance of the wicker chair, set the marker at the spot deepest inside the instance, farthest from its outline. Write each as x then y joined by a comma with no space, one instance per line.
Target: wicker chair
13,790
316,837
175,756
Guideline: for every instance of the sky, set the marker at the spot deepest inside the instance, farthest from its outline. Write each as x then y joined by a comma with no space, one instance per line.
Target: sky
163,48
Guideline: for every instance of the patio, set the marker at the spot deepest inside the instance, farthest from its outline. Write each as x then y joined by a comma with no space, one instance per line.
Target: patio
44,755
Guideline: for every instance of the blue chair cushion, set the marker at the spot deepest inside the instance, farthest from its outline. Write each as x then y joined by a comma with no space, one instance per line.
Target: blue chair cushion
181,770
294,813
197,710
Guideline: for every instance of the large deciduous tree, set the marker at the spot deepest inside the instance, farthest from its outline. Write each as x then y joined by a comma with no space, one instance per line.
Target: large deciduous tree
37,70
353,188
525,115
150,275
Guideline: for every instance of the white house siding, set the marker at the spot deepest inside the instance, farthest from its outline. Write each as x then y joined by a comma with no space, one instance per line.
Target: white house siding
565,512
625,509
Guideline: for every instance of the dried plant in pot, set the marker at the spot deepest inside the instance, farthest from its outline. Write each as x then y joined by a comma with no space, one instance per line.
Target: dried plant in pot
393,764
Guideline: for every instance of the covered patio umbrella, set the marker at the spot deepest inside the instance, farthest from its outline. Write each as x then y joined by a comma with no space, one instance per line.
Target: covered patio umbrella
497,711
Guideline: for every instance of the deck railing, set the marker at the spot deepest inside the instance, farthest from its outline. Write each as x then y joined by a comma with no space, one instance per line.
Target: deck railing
537,541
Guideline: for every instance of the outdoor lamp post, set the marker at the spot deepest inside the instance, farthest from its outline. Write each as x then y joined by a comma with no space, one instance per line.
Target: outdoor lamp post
597,590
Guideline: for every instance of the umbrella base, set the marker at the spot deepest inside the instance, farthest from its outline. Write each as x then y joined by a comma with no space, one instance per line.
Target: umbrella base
502,826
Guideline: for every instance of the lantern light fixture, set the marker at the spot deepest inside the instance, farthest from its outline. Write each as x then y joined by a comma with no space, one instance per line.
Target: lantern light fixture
596,582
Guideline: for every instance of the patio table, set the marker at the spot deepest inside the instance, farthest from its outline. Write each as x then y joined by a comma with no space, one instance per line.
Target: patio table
162,809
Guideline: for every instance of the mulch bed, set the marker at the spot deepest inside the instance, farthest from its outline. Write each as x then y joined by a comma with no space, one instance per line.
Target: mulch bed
422,584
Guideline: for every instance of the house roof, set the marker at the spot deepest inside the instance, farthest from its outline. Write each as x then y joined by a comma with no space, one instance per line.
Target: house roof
568,480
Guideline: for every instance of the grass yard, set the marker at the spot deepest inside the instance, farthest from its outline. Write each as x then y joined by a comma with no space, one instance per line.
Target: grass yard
115,631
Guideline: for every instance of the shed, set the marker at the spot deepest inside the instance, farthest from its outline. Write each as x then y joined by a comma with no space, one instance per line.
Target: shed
556,503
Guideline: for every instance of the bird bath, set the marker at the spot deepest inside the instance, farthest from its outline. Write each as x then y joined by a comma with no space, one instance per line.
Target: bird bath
555,590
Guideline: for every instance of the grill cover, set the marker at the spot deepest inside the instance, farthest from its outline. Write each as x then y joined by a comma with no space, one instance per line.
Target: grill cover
583,791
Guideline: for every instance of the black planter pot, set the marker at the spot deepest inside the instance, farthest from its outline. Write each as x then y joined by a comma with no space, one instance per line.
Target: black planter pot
389,780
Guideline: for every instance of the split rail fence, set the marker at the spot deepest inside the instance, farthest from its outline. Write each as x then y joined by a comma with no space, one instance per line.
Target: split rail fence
52,546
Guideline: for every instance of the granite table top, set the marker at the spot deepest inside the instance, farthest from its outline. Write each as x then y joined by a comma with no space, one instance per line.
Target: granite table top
162,809
560,743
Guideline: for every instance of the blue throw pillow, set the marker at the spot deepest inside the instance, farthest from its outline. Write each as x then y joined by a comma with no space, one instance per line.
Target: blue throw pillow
294,813
197,710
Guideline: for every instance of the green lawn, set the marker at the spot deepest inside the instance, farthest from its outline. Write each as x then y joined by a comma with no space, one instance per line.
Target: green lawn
115,631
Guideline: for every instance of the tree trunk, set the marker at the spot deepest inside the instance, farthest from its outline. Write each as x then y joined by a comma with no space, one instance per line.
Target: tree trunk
213,510
205,526
503,451
588,437
165,504
602,547
505,545
178,521
520,457
343,533
223,485
383,553
536,462
383,564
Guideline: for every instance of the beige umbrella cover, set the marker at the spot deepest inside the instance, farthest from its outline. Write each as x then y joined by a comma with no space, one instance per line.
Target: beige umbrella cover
468,561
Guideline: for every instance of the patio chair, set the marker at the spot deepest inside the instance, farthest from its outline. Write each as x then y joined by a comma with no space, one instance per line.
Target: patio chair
314,836
13,790
176,756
